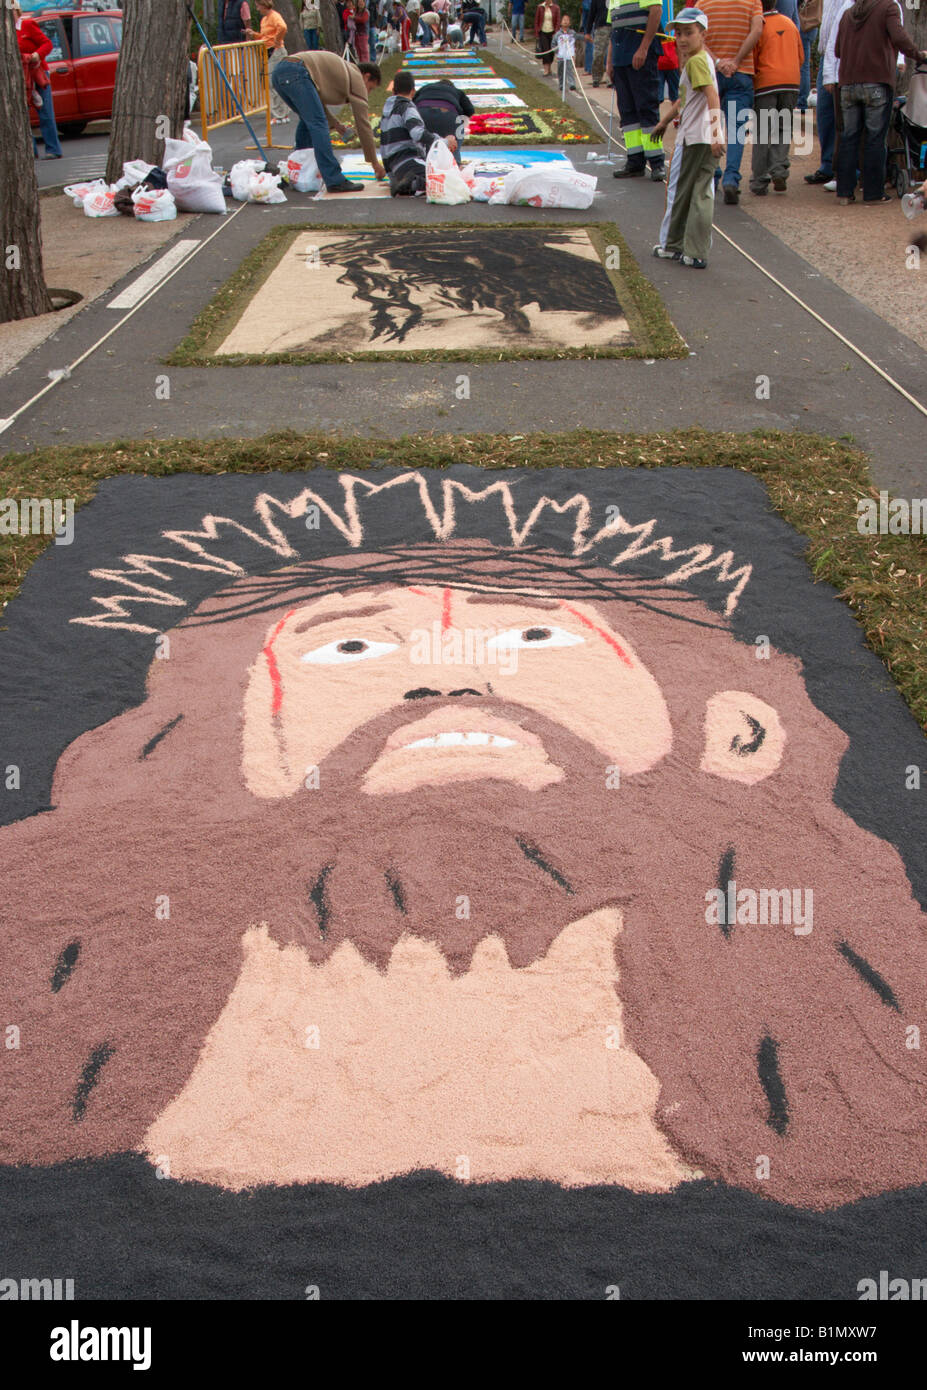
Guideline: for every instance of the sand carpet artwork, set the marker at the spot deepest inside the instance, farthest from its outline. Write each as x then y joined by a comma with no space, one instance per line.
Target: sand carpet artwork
534,846
440,288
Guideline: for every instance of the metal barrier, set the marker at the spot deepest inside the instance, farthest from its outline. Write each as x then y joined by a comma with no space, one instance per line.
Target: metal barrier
246,72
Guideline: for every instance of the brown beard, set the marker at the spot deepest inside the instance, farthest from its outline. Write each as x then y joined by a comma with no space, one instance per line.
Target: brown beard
764,1043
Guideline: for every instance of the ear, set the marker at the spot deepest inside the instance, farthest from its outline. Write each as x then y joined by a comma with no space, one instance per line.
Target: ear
744,737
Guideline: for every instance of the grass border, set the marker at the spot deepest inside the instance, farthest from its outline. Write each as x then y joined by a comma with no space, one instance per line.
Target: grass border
813,483
650,324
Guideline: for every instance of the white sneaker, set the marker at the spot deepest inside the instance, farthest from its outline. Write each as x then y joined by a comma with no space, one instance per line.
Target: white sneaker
832,186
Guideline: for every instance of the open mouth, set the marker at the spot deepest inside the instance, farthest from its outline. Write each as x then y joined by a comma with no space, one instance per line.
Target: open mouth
473,738
453,744
453,727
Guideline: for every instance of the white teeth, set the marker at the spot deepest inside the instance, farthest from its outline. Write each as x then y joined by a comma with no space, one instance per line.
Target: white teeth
472,739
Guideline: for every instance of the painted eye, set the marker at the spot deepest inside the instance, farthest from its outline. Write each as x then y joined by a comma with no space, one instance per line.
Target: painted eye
523,637
351,649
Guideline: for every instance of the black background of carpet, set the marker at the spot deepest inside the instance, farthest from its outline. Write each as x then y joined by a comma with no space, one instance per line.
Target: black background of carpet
121,1232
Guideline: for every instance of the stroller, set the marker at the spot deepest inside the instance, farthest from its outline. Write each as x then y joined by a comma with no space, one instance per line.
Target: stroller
907,137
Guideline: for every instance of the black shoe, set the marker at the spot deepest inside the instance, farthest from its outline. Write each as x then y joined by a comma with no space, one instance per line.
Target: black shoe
818,176
346,187
731,195
630,171
658,172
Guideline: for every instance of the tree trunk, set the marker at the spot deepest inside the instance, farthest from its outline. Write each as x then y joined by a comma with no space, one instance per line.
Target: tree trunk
22,282
151,100
331,27
915,21
290,13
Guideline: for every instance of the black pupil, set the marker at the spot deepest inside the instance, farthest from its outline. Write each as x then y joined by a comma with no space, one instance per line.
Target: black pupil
356,645
536,634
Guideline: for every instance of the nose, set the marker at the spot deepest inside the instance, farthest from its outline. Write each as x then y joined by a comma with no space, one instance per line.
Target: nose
423,692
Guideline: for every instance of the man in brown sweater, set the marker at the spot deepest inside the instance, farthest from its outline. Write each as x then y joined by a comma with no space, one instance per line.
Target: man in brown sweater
869,40
317,83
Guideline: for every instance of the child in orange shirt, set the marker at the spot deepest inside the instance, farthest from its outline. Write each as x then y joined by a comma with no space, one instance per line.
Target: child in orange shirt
778,57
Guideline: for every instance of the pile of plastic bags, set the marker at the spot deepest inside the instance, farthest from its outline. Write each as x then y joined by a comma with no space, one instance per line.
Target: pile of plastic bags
252,182
186,182
545,185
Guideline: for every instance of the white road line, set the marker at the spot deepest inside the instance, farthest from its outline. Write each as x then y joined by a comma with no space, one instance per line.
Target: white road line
63,375
153,275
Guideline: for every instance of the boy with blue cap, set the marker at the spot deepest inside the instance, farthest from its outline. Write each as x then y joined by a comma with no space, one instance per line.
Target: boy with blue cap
685,233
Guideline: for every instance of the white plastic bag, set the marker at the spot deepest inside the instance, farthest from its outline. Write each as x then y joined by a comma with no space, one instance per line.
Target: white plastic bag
482,187
251,186
100,201
134,172
545,186
443,180
194,183
240,176
154,205
302,171
265,188
78,192
191,179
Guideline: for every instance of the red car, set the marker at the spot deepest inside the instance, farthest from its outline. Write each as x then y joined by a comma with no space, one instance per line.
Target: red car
82,63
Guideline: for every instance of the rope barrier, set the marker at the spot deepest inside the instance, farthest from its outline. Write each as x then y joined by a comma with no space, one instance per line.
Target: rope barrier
579,86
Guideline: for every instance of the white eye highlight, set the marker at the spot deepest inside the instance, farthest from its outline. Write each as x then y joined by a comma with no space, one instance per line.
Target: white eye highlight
348,649
523,638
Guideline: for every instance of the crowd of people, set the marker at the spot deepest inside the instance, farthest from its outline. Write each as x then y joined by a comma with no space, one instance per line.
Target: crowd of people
728,67
725,66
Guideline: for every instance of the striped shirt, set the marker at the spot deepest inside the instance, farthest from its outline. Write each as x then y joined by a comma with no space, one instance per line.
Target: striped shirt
403,135
728,25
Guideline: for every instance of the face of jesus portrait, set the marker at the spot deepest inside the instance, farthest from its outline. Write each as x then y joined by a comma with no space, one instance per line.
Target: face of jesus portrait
463,670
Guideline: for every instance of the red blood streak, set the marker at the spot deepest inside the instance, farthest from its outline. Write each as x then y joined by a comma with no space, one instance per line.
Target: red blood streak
606,637
273,668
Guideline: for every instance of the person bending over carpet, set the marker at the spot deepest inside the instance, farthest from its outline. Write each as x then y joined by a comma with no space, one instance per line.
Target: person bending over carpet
444,109
405,140
312,83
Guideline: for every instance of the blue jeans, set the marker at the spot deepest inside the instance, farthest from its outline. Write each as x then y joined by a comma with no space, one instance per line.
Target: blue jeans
293,85
866,106
47,122
312,38
518,26
804,81
477,27
671,78
736,95
827,126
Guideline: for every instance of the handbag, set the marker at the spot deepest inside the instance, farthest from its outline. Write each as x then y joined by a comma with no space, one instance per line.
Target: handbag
809,15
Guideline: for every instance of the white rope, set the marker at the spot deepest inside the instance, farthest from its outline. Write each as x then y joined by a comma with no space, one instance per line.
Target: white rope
613,139
72,367
912,400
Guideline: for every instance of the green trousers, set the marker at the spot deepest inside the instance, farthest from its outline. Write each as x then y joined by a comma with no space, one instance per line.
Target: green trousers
693,202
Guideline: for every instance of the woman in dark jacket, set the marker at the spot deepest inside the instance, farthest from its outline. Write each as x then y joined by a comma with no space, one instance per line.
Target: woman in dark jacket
234,18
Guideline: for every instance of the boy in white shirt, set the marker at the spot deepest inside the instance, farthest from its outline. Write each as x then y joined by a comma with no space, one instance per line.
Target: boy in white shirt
685,233
565,48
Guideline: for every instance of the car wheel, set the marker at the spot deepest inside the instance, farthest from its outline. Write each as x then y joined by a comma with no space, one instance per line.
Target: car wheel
73,128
